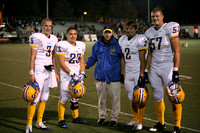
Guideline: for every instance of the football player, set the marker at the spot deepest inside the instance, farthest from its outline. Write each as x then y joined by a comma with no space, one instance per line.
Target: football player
133,47
70,56
164,60
43,69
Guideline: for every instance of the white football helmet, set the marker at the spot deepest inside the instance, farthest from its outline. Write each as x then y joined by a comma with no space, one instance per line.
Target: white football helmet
175,92
30,91
140,95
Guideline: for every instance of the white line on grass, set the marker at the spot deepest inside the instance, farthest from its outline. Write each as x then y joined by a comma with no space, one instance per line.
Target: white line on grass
94,106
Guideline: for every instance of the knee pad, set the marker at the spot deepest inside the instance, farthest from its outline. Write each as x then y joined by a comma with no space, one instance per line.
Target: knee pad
73,105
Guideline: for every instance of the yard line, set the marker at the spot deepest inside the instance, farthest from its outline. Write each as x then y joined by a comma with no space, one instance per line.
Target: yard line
94,106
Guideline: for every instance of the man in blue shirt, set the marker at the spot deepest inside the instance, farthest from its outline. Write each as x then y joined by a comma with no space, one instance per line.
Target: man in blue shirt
106,54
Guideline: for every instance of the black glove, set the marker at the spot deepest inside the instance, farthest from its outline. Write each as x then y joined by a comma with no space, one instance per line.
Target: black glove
49,67
146,77
122,78
141,81
175,77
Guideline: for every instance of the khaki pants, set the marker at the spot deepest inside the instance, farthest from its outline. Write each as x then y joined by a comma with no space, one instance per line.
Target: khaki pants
114,89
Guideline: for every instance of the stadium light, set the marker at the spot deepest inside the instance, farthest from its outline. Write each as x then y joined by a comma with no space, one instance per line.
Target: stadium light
83,14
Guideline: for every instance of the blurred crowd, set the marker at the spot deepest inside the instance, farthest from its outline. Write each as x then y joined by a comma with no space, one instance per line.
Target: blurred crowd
26,26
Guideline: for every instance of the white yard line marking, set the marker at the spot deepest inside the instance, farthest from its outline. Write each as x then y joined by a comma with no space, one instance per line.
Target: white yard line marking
94,106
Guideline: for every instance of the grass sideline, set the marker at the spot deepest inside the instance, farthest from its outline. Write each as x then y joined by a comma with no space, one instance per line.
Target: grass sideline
14,74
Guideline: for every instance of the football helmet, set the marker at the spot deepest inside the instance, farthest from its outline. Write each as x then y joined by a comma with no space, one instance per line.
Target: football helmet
76,89
140,95
30,91
175,92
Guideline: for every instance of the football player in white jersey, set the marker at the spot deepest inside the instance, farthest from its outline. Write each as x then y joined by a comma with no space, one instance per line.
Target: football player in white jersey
43,69
133,47
70,56
164,60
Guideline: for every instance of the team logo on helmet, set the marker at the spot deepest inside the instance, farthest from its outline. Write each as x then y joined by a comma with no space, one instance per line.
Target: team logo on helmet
140,95
30,91
175,92
76,89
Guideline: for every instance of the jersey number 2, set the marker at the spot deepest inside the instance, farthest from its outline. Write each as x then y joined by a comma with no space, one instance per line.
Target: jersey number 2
127,51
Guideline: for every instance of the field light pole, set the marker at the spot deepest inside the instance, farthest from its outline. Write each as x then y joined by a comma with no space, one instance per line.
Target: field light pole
148,11
47,8
84,13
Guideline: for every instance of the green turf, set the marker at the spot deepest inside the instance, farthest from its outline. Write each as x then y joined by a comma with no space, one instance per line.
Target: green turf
14,74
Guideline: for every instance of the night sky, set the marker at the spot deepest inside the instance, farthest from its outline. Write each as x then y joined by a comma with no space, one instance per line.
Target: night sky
182,11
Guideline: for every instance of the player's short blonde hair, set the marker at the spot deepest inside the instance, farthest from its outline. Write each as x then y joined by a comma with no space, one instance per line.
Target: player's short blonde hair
158,9
44,20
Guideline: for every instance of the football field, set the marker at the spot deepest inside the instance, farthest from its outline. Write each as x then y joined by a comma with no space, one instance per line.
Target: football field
14,73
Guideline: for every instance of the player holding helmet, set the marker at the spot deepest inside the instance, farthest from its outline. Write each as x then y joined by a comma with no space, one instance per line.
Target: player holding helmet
164,60
70,56
43,70
134,47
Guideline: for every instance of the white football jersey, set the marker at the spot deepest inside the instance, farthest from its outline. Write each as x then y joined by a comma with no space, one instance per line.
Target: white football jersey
72,54
159,41
130,50
44,47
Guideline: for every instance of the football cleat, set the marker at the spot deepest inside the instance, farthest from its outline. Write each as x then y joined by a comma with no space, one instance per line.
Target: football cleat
76,89
175,92
130,124
30,91
140,95
29,129
41,126
137,127
62,124
79,121
157,127
176,130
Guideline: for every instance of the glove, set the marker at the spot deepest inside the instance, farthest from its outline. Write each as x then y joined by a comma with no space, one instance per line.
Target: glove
141,81
146,77
175,76
122,78
82,76
74,76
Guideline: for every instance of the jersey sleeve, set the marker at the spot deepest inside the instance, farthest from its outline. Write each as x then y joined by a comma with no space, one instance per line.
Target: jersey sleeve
34,41
120,41
173,29
60,50
143,43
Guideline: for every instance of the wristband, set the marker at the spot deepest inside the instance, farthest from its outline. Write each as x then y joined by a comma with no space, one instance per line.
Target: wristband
71,73
31,72
83,73
146,70
175,69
